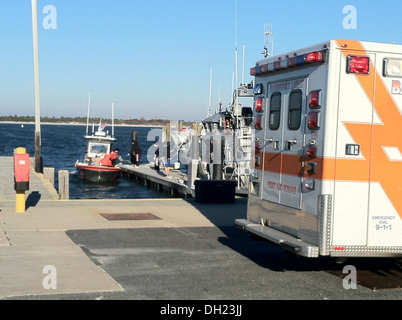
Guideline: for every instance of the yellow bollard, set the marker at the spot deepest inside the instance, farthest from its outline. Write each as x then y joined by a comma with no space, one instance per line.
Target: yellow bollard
20,194
20,202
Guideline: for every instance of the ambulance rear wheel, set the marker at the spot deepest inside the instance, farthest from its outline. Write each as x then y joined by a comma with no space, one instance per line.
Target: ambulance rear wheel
292,255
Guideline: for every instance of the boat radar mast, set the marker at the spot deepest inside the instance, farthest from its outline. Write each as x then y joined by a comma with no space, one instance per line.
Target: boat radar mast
269,42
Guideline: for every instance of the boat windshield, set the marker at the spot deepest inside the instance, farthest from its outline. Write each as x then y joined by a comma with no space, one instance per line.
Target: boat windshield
96,149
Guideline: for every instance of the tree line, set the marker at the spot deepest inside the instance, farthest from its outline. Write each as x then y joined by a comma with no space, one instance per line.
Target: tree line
83,120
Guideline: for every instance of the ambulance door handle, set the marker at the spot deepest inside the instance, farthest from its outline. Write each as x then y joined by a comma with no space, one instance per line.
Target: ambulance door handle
290,143
274,142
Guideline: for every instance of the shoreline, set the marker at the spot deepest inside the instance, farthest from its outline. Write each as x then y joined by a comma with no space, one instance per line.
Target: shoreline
79,124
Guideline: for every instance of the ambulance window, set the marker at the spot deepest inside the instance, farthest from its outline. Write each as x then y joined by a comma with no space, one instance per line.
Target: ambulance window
275,111
295,109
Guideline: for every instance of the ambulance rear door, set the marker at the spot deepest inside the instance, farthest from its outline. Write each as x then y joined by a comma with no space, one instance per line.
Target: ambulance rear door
284,142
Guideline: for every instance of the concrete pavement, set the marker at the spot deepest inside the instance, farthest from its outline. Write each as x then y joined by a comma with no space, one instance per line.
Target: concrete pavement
35,241
34,247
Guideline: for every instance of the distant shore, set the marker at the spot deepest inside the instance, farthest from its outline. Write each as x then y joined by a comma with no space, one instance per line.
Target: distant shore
79,124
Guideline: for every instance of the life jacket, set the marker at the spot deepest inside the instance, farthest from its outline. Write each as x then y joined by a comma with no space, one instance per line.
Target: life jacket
106,161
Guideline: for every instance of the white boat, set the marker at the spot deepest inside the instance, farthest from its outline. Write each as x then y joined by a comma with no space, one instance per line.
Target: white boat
99,148
98,164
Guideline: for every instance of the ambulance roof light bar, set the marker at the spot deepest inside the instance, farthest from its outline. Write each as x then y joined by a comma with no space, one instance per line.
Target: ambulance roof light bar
289,62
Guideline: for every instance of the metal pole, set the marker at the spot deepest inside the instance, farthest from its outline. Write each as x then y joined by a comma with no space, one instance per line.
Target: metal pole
38,158
112,119
89,105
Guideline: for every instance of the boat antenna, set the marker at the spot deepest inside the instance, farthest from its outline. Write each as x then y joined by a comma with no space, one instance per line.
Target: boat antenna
231,92
112,119
269,42
89,104
236,62
210,92
219,98
244,53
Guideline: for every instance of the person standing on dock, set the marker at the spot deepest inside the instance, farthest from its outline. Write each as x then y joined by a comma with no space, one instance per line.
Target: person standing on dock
156,156
135,153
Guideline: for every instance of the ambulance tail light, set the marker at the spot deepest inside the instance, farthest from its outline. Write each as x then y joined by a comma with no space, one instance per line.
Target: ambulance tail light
313,121
259,105
358,64
257,148
311,151
258,122
315,99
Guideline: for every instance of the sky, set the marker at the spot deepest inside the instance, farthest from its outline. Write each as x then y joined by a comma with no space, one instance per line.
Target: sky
153,59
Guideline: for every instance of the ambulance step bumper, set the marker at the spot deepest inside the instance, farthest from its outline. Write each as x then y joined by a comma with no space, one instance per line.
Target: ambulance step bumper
287,242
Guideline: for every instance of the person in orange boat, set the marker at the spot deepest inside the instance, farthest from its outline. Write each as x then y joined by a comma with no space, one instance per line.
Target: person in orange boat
109,160
113,156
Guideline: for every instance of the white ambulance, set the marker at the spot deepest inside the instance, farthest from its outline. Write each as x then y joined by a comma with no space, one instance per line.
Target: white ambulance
328,159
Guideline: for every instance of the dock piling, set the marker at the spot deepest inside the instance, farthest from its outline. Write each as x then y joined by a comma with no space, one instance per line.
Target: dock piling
64,185
193,166
48,173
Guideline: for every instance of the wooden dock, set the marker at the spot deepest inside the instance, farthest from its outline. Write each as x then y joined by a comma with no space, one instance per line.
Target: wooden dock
173,182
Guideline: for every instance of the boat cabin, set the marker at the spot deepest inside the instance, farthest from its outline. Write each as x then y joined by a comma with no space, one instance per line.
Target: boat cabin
98,149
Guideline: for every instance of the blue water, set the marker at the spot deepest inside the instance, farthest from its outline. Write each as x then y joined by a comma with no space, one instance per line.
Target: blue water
63,145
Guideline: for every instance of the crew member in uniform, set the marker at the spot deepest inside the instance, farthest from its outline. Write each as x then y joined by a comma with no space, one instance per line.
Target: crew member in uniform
135,153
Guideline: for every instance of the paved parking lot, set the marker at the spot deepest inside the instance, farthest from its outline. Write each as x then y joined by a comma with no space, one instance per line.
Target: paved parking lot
207,263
